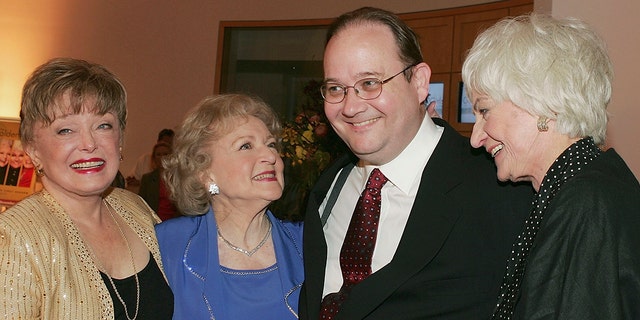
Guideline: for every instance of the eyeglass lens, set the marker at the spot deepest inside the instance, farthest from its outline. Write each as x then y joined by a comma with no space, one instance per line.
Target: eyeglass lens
366,89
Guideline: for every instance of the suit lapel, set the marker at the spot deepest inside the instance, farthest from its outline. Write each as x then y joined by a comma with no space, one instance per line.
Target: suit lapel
315,246
431,220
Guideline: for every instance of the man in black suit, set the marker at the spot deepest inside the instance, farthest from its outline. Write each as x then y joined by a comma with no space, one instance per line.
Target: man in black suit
445,225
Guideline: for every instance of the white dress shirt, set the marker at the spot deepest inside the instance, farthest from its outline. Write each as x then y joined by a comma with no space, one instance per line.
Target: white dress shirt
398,194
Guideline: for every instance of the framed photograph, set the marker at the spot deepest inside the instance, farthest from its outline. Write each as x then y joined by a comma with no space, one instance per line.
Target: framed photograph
17,172
436,93
465,108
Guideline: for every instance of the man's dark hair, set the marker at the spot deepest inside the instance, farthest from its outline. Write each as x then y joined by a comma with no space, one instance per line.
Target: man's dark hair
165,133
406,39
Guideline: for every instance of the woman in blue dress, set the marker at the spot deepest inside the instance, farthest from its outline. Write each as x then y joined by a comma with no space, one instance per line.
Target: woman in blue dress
229,258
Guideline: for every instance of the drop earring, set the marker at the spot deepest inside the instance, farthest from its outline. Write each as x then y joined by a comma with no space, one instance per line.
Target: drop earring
214,189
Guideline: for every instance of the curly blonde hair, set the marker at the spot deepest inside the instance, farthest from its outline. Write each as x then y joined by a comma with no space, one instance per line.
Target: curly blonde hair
210,120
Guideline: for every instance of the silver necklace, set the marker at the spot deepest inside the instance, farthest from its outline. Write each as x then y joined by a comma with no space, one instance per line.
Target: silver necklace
135,273
249,253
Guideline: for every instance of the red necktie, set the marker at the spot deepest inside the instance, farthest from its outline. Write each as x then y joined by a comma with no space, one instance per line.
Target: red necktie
358,245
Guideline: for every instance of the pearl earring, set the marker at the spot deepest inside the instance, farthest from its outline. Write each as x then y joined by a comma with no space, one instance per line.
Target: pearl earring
213,189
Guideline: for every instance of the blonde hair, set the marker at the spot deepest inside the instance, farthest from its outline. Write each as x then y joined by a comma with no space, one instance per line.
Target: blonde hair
210,120
49,82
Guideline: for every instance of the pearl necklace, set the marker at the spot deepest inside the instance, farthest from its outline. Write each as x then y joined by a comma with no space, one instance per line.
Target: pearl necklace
135,273
247,252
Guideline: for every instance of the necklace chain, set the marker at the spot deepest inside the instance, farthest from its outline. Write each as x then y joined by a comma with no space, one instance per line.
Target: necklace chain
135,273
249,253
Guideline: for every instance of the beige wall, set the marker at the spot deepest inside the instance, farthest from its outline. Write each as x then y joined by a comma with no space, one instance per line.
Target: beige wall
617,22
165,51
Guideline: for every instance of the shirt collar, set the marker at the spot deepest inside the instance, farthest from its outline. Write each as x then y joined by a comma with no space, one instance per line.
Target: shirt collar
405,170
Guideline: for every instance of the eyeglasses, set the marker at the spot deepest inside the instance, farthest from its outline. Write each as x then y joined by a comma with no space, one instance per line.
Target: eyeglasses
366,89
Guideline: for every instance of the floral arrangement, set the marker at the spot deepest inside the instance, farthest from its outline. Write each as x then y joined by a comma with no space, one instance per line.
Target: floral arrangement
308,146
302,138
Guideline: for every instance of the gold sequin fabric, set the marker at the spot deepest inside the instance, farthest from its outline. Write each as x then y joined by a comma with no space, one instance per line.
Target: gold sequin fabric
46,270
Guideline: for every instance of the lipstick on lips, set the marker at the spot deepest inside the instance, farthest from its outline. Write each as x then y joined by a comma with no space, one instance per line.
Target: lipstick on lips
88,165
266,176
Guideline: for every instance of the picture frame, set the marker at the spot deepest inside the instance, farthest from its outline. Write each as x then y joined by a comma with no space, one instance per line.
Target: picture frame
458,102
465,107
436,93
18,177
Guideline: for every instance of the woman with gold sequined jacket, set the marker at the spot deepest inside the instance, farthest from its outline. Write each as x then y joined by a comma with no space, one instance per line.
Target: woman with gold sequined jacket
78,249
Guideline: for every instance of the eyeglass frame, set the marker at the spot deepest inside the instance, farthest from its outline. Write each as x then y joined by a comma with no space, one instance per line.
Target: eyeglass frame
346,88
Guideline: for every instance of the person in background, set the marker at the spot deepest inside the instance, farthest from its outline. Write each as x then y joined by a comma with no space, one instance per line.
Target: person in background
145,161
444,223
540,87
5,153
78,249
230,258
153,188
16,159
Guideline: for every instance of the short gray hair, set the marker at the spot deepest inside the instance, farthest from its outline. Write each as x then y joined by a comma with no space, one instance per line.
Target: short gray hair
557,68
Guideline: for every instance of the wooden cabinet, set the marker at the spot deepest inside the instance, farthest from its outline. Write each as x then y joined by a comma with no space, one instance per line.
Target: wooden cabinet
445,38
467,27
435,36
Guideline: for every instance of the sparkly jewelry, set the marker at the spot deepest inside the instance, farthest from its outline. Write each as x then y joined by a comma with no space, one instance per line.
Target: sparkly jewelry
214,189
542,124
206,301
39,171
250,252
135,274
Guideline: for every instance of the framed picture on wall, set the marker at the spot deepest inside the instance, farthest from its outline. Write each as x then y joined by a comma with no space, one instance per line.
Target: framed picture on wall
17,172
436,93
465,108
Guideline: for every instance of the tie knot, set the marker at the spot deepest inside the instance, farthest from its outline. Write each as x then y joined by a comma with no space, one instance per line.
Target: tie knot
376,179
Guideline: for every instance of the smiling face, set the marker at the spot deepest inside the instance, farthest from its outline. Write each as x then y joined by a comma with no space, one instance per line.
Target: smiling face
246,165
5,152
375,130
79,153
27,162
511,136
16,158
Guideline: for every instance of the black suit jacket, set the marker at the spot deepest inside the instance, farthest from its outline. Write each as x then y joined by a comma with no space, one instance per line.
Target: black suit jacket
452,255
